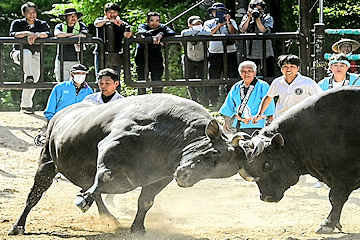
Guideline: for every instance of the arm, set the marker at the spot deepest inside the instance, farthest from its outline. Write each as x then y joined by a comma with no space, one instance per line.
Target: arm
245,22
227,124
264,105
102,21
231,27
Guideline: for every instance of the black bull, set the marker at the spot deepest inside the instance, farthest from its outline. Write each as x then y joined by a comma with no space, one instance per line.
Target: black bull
141,141
321,137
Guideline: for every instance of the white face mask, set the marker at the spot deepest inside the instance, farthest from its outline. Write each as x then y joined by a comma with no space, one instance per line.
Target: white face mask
79,78
197,28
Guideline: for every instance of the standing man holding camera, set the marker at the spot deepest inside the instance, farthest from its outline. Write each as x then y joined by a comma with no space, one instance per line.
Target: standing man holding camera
257,21
221,23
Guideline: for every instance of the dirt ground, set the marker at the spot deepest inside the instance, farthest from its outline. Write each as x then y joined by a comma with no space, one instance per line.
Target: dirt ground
226,209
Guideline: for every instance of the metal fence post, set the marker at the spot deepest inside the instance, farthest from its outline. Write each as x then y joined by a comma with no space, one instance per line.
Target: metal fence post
319,65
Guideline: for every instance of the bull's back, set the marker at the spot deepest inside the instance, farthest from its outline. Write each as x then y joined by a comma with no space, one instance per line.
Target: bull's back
77,129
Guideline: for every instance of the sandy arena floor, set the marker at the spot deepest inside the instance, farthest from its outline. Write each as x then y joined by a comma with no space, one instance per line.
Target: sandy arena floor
226,209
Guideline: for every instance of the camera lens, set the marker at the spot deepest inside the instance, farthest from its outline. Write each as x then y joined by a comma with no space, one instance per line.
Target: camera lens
255,13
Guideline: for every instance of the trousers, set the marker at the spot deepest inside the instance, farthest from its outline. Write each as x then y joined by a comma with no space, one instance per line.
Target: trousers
31,67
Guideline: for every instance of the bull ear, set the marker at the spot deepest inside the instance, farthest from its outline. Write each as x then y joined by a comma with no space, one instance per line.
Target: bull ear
212,130
277,141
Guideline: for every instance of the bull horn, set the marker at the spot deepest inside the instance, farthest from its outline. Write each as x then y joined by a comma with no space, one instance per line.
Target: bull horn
259,146
239,136
245,175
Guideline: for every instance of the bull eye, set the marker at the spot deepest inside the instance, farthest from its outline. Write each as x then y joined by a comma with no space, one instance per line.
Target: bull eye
267,166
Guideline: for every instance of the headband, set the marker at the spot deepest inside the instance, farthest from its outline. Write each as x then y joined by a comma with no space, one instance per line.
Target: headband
340,61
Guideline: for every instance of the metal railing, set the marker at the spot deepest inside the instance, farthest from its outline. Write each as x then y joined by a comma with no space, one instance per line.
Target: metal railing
130,80
186,81
42,84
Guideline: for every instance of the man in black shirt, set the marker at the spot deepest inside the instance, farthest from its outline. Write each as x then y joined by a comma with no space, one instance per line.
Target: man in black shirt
30,28
111,29
157,31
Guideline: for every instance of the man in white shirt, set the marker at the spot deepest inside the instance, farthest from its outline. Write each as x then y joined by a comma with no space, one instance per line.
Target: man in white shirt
291,88
108,82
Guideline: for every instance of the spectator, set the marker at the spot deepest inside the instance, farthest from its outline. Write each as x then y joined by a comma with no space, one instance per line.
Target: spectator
195,53
157,31
339,66
347,46
67,93
257,21
30,28
291,88
221,23
244,99
108,82
70,27
112,22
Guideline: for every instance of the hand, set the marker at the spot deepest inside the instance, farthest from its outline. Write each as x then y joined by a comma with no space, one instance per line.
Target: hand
226,127
244,120
32,37
227,17
127,34
249,14
116,21
157,38
257,118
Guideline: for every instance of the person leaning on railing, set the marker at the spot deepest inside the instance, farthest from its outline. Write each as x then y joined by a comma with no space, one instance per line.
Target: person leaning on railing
120,28
157,31
71,27
30,28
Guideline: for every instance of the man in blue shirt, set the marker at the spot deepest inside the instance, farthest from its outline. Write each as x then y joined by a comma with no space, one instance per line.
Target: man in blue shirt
244,100
71,27
67,93
30,28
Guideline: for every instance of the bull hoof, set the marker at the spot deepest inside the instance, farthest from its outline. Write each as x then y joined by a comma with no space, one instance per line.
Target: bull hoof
84,202
138,229
325,230
16,230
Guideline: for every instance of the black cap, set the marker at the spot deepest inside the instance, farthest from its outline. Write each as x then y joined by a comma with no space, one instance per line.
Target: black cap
217,6
70,11
78,68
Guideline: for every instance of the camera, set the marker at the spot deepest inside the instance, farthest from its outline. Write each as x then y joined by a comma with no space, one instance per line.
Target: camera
255,13
220,16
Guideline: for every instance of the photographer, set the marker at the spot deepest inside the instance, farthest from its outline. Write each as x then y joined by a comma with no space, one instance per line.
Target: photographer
257,21
221,23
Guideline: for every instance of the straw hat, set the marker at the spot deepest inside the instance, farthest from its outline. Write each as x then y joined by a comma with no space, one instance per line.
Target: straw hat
354,45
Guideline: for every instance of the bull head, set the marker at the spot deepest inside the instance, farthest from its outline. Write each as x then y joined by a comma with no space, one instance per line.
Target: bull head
241,136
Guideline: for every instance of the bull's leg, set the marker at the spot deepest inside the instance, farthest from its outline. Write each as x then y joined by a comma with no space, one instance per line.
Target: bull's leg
338,197
42,181
103,211
86,199
145,202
